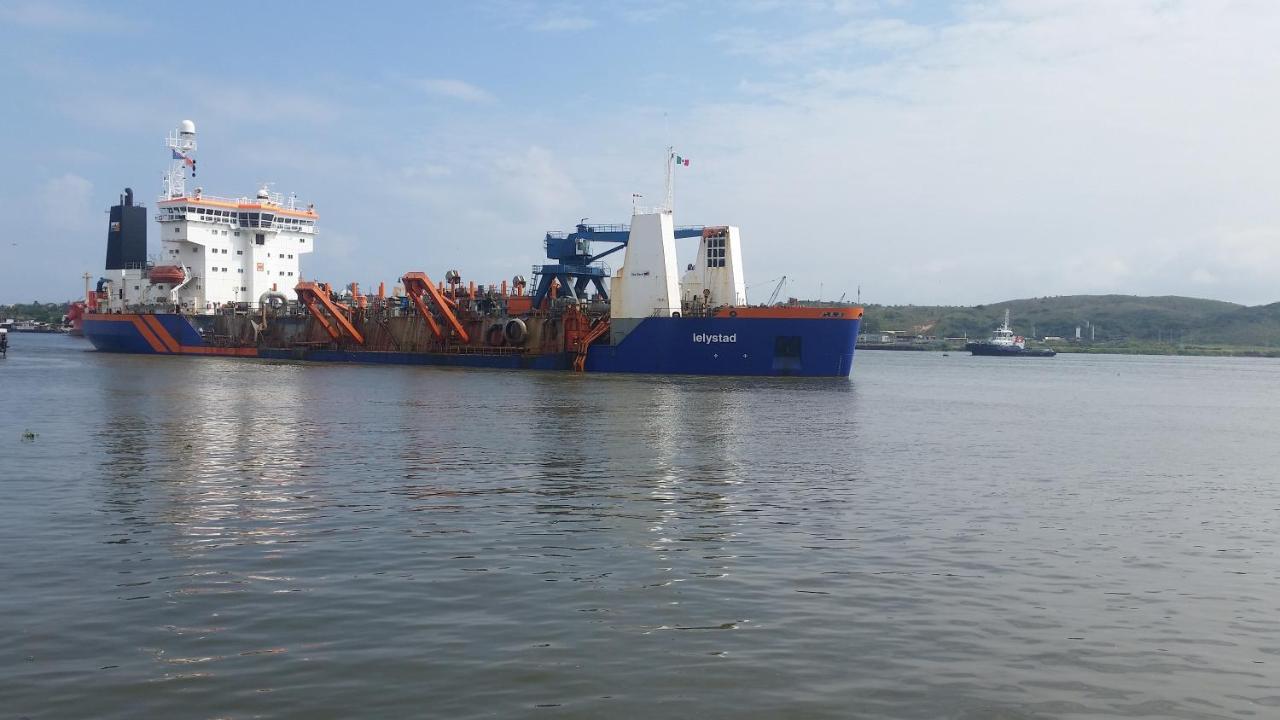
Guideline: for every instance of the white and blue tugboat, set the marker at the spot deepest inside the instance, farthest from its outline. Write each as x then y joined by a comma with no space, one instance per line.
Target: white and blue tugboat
1003,343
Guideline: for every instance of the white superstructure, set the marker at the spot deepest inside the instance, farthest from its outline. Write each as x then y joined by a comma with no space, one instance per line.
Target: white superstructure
235,249
646,284
216,251
715,278
1004,337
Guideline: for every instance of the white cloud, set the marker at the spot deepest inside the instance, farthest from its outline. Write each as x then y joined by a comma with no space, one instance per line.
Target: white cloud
1041,147
564,23
453,89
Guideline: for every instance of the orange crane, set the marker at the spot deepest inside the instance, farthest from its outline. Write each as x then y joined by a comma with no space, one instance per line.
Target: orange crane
417,284
316,297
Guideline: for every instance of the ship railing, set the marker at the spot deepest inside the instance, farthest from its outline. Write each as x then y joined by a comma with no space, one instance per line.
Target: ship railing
664,312
610,228
273,198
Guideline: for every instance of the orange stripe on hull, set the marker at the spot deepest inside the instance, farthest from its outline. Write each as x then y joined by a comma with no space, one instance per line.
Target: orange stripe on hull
165,336
146,334
162,341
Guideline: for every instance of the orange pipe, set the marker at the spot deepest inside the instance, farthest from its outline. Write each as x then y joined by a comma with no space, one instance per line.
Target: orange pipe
320,293
420,282
504,287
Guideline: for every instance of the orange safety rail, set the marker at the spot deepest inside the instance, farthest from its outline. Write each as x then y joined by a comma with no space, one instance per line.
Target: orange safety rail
239,205
792,312
316,297
599,329
417,283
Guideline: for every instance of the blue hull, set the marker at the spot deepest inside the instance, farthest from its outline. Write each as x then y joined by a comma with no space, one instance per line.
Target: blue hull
115,336
732,346
685,346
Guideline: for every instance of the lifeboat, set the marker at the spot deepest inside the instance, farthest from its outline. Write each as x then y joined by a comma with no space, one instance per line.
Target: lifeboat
170,274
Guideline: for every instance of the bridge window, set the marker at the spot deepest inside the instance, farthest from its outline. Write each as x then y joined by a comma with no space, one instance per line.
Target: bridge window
715,252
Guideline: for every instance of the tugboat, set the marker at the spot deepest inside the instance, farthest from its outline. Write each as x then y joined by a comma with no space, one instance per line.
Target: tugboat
1004,343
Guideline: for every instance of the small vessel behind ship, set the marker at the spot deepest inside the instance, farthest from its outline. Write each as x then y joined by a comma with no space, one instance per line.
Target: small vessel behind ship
1003,343
230,284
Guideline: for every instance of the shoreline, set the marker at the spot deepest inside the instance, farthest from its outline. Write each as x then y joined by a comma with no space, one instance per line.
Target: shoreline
1186,351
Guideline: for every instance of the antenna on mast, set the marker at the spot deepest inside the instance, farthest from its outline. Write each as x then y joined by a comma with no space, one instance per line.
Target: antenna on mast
182,147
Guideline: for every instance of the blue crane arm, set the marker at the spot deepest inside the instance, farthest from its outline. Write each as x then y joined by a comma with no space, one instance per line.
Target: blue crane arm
577,244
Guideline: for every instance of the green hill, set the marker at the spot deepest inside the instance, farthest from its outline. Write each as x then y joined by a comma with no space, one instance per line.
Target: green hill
1108,319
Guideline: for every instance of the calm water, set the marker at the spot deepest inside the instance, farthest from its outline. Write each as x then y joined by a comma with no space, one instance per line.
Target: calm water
938,537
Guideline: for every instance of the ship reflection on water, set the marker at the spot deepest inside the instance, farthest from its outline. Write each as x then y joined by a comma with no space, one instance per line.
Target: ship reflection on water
217,462
265,509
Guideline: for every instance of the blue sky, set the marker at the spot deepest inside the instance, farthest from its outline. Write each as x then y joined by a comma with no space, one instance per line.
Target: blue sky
927,152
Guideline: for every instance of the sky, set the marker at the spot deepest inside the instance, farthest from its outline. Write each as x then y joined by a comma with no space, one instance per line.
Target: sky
918,152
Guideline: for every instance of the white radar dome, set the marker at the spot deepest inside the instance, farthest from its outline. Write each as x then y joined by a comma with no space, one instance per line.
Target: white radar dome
187,127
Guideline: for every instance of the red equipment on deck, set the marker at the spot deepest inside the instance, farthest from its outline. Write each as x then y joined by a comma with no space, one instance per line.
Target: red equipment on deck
316,297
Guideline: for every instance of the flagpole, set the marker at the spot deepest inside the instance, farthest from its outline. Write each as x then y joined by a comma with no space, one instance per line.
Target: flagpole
671,156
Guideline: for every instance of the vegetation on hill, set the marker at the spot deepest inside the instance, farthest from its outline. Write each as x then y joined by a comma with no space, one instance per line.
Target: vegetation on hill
1104,319
38,311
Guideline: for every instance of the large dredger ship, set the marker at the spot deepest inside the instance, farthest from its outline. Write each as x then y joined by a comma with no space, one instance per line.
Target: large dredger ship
229,283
